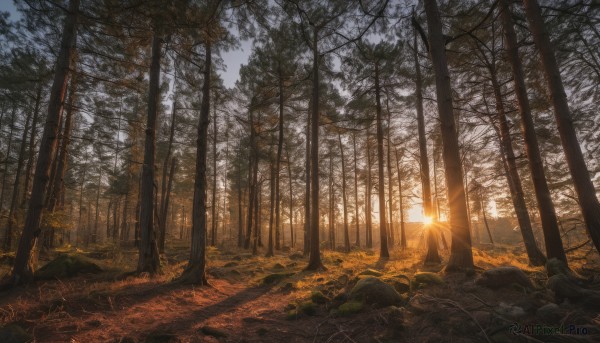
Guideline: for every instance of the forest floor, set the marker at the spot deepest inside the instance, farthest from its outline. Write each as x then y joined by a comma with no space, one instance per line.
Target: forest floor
258,299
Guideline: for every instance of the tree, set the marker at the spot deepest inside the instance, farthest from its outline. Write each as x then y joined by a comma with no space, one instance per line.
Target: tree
23,268
461,257
586,193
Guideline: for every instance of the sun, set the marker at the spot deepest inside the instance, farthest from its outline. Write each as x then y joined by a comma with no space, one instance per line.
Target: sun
427,220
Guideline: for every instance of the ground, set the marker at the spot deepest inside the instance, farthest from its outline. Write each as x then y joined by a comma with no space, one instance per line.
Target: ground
257,299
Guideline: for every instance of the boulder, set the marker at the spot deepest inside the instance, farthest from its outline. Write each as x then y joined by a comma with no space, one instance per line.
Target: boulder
502,277
350,307
275,278
550,313
373,291
371,272
67,265
429,278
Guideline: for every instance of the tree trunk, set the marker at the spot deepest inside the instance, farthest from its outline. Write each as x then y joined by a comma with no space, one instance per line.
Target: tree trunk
7,156
401,205
314,261
461,257
148,260
8,234
272,181
536,257
356,219
331,204
163,191
213,206
240,217
586,193
195,271
391,230
31,149
345,204
553,241
289,168
369,186
23,268
307,167
165,207
383,252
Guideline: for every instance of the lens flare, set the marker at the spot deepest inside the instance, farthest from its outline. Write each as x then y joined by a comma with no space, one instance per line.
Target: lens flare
427,220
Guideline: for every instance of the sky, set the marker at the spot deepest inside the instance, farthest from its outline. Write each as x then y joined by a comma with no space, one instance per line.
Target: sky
232,59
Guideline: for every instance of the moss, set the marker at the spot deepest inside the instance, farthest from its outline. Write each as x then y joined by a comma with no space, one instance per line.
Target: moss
318,298
231,264
371,272
13,334
278,266
374,291
350,307
429,278
308,308
292,314
212,331
275,278
67,265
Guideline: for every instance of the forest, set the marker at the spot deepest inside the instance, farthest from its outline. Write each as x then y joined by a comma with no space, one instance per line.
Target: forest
299,171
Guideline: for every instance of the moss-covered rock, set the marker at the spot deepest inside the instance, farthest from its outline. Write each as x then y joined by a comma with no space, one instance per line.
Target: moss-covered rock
308,307
278,266
275,278
13,333
428,278
296,256
67,265
350,307
504,276
374,291
319,298
230,264
371,272
401,283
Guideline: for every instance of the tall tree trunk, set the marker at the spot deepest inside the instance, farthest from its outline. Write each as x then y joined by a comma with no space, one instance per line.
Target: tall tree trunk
195,272
61,168
553,241
148,260
314,261
165,208
331,204
485,221
383,252
356,219
307,168
391,229
31,149
586,193
272,181
240,216
289,168
257,227
369,187
461,257
95,232
345,204
23,268
7,156
213,206
8,234
278,166
401,204
253,179
536,257
163,190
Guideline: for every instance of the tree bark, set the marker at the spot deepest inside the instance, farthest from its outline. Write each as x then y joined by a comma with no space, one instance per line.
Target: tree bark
369,187
461,257
314,261
307,167
23,268
553,241
383,252
401,204
356,218
148,260
163,209
586,193
195,271
213,206
278,166
31,149
345,204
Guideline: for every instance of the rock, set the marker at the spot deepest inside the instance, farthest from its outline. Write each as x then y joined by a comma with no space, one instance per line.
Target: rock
231,264
502,277
484,318
373,291
350,307
550,313
67,265
296,256
126,339
429,278
319,298
565,287
13,333
555,266
261,331
510,311
402,285
237,258
371,272
275,278
278,266
308,308
212,331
